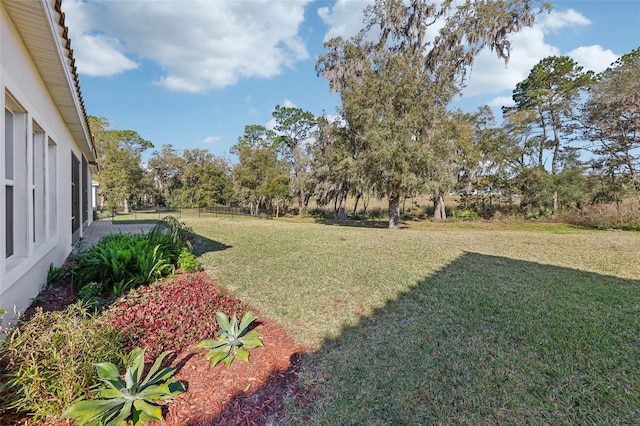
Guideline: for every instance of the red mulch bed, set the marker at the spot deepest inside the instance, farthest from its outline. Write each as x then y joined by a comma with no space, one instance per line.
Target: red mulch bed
243,394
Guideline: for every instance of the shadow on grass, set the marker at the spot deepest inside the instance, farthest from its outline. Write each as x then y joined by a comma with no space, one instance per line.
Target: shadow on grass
202,245
486,340
377,224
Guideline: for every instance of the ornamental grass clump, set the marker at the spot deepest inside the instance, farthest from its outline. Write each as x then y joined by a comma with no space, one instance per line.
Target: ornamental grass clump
49,359
171,314
133,398
172,236
233,340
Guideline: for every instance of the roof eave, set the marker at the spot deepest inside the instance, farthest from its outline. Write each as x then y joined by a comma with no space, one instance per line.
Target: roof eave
50,49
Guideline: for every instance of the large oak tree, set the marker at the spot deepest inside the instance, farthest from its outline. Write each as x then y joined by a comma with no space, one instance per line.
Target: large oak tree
397,76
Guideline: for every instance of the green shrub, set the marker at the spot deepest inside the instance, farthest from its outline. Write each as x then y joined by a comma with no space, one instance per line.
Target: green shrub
467,214
121,262
132,399
188,262
49,359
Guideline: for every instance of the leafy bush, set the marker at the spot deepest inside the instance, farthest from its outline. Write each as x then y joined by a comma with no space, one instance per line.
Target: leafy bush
132,399
466,214
171,314
121,262
233,340
49,359
188,262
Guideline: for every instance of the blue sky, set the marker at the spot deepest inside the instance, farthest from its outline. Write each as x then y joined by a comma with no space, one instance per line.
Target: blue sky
194,73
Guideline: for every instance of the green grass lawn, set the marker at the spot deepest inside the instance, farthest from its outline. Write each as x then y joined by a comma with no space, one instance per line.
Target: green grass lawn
463,324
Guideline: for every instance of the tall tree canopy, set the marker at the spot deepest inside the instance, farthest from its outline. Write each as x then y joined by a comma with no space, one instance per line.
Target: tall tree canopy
165,167
260,178
395,81
120,151
334,166
612,118
551,93
205,179
295,127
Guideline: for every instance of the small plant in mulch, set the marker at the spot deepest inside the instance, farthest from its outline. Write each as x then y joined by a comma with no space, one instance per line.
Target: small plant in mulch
133,398
172,314
187,261
233,341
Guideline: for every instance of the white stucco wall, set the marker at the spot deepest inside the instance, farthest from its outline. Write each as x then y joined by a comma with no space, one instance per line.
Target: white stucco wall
22,277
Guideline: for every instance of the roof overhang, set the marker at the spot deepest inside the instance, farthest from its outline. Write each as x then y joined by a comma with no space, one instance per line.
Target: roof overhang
40,24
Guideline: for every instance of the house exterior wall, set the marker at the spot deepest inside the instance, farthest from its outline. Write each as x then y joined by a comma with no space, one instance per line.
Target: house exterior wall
41,179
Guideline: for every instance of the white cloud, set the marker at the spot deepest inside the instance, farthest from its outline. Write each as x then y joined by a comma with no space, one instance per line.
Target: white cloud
210,139
289,104
344,19
100,55
96,54
271,124
593,58
555,21
501,101
490,75
199,45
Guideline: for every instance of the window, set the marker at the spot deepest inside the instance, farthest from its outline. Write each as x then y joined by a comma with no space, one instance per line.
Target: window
38,189
52,186
75,197
15,179
29,183
16,145
85,191
8,180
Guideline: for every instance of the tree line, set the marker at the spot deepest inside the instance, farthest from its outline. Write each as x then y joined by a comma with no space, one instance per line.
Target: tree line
570,139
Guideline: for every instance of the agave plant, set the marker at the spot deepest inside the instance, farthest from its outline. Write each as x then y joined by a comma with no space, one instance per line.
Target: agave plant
131,399
232,341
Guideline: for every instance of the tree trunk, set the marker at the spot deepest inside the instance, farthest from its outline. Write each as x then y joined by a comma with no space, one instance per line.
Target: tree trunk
440,212
555,201
342,210
300,204
126,206
355,208
394,212
542,142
